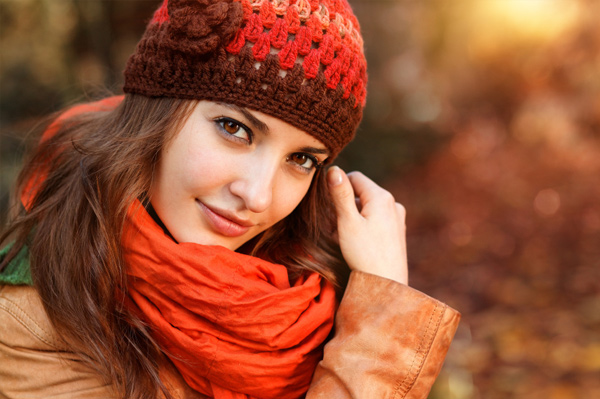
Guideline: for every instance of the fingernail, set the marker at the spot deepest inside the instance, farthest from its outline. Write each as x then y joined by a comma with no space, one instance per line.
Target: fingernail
334,176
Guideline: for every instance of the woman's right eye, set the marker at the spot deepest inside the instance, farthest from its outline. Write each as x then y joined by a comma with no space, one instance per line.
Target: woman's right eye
234,130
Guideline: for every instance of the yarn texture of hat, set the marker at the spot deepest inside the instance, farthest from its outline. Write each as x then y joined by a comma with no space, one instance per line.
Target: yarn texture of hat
301,61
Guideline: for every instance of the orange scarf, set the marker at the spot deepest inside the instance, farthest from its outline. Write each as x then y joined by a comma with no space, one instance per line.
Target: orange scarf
232,324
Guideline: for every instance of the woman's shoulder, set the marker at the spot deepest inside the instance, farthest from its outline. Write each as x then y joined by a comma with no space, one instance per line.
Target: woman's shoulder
24,321
33,360
36,363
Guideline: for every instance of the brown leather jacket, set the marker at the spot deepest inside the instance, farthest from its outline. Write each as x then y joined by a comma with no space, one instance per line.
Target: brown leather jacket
390,342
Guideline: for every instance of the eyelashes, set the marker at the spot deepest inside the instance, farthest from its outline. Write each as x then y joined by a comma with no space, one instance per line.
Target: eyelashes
234,130
238,132
305,161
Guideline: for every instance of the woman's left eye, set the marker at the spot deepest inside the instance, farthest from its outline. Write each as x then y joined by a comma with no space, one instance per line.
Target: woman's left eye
305,161
234,128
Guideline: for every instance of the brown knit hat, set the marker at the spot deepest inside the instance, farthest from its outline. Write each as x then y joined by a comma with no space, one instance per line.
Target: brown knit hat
301,61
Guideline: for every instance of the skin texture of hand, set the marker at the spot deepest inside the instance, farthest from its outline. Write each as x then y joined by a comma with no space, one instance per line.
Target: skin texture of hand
371,225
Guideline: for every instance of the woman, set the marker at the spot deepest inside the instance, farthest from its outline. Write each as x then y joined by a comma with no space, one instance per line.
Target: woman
185,240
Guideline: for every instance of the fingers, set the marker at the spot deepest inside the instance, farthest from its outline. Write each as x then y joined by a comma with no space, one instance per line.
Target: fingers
401,212
364,188
358,204
341,192
372,197
371,225
354,193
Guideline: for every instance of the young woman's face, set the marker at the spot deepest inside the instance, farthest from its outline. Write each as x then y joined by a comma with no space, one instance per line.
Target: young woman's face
232,173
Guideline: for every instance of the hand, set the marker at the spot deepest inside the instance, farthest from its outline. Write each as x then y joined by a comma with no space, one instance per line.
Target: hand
371,225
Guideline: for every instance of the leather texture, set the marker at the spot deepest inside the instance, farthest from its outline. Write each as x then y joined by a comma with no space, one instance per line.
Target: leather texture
390,342
33,361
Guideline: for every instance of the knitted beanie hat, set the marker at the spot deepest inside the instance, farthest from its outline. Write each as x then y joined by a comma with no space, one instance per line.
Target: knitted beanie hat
301,61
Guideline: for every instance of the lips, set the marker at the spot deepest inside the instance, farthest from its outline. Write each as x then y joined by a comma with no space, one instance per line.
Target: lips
224,222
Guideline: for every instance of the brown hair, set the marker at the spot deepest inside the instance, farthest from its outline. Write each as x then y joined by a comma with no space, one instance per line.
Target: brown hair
94,166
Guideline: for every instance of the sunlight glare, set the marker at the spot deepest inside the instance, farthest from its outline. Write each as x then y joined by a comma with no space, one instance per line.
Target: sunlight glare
498,24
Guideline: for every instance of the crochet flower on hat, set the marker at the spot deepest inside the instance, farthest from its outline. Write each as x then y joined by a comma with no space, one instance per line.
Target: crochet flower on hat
199,26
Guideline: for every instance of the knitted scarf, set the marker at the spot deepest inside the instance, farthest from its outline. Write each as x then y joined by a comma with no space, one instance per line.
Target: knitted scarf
232,324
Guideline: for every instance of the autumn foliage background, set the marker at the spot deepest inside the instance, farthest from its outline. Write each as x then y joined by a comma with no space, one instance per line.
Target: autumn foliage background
483,118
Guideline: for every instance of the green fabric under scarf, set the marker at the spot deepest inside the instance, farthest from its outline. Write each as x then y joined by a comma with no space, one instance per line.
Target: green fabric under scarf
17,272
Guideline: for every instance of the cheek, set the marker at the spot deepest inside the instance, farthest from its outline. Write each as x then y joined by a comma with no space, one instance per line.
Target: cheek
288,198
195,168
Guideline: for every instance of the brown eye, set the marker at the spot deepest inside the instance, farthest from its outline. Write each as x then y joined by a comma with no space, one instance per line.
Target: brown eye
300,159
231,127
304,161
234,130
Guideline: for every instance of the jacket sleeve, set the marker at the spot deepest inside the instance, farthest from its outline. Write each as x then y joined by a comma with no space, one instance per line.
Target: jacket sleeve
390,342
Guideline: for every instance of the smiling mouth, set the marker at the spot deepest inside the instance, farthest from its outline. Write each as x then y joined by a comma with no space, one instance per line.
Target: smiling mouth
223,222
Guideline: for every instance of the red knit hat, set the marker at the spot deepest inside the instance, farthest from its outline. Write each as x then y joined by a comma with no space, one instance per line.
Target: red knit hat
301,61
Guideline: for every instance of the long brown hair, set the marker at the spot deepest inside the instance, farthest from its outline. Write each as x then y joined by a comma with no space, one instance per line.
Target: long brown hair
93,167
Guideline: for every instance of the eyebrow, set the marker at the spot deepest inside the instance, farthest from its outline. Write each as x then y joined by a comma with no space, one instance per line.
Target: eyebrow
257,123
263,127
314,150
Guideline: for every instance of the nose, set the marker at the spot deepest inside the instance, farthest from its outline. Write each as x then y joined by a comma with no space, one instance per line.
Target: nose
255,185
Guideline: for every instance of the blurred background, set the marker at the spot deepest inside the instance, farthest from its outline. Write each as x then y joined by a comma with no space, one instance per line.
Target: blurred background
483,119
